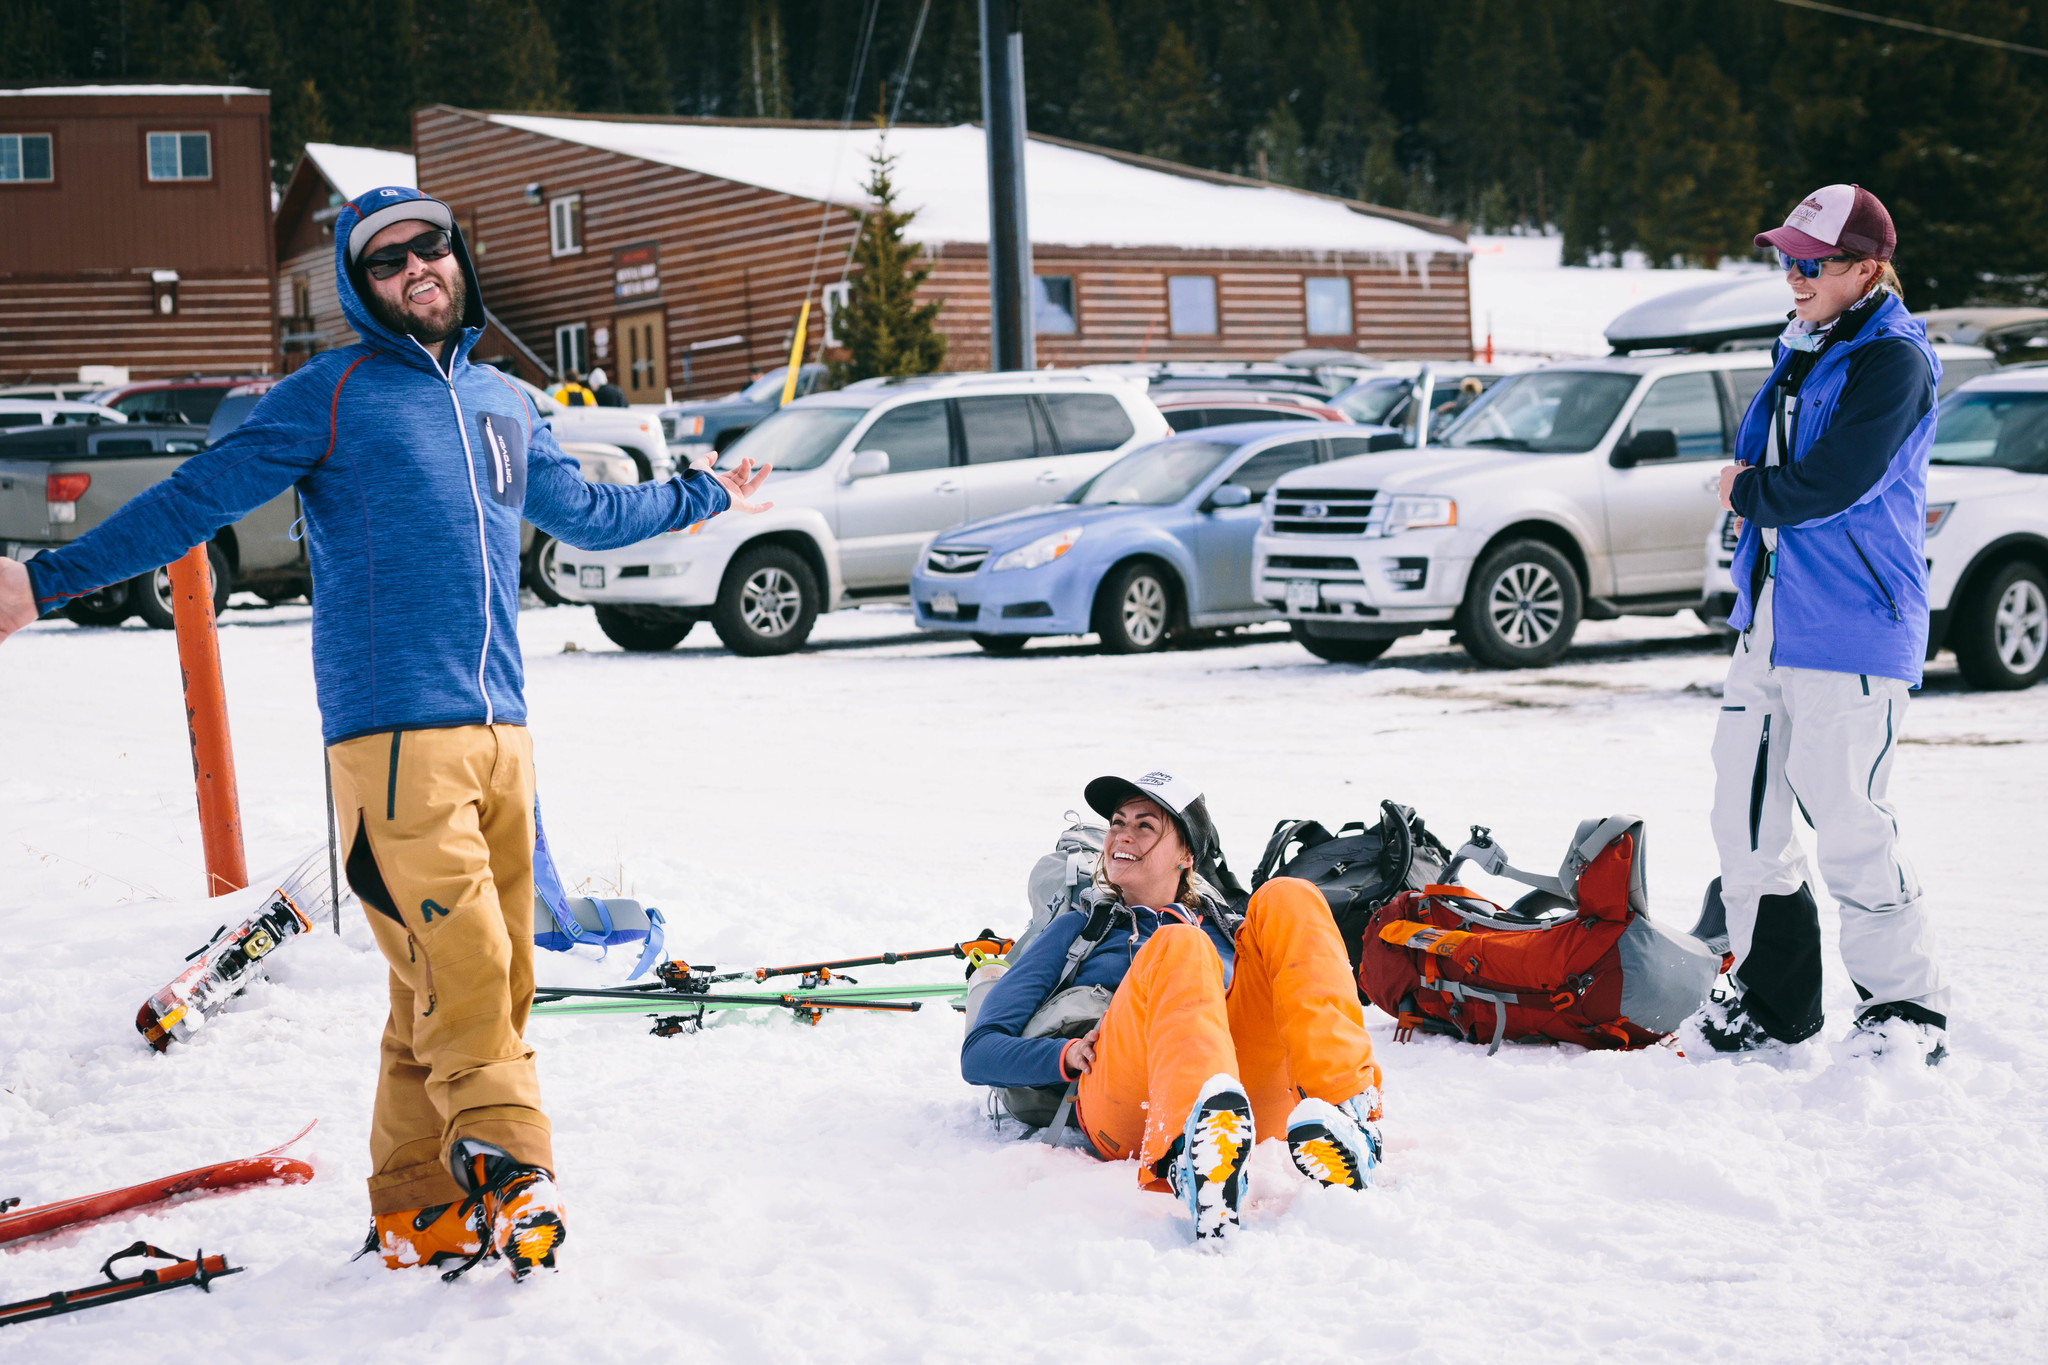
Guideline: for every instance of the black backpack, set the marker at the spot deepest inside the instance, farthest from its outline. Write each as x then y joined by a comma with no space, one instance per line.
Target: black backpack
1358,869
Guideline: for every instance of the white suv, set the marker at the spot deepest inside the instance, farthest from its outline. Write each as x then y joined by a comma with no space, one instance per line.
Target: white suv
1581,489
1987,532
864,479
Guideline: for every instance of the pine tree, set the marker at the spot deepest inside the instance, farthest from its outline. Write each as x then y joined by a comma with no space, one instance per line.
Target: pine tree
1174,109
882,325
1286,161
765,68
1100,94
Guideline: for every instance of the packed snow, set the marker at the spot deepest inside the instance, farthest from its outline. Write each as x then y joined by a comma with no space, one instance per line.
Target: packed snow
768,1191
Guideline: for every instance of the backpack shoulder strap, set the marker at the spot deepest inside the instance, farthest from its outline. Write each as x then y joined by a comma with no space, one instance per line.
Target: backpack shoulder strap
1288,832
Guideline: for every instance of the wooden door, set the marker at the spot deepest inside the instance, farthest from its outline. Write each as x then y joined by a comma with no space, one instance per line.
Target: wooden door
640,345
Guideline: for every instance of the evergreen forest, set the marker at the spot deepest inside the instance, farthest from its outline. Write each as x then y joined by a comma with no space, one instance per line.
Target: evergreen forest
1671,127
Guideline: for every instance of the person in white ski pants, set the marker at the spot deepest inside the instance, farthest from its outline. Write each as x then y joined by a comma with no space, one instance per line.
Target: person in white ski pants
1831,603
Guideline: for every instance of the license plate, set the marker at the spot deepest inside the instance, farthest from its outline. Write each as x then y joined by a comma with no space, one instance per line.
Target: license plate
590,576
1304,594
945,604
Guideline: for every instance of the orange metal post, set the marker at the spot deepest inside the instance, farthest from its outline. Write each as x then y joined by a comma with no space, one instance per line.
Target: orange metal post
206,719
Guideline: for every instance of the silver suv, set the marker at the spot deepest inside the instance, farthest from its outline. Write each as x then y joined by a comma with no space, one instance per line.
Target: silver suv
864,479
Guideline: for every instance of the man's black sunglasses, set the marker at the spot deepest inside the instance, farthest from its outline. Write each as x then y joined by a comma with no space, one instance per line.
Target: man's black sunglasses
428,246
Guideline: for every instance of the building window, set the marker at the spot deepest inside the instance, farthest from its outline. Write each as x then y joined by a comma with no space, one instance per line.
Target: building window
1191,305
565,225
1329,306
302,297
835,298
25,157
181,156
572,351
1052,305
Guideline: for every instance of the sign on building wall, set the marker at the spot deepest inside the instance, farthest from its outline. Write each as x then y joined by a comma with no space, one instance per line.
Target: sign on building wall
636,271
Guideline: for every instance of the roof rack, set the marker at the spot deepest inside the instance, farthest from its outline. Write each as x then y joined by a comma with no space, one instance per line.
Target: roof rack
948,382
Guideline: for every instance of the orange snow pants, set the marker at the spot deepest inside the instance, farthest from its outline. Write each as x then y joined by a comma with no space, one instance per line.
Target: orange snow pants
437,829
1289,1027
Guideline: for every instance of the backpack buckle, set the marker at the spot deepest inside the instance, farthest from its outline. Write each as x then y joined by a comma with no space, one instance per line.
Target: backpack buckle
1404,1027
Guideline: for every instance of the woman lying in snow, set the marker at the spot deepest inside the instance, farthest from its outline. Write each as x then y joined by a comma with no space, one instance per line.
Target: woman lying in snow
1216,1031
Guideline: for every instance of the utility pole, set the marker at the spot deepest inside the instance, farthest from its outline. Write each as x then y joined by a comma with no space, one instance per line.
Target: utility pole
1009,236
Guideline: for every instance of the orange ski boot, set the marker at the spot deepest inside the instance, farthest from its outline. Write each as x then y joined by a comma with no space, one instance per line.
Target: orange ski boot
520,1208
429,1236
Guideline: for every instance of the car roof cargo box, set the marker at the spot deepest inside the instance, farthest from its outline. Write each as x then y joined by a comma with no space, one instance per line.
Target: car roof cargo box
1706,317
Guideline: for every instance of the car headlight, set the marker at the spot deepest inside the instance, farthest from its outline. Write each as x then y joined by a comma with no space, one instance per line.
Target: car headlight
1408,513
1039,552
1937,516
675,428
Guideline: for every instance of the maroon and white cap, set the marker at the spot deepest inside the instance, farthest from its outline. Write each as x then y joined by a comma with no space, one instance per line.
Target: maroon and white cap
1835,219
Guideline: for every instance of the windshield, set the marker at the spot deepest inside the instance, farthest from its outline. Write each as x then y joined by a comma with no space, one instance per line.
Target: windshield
1369,403
1995,430
793,438
1550,412
766,389
1155,476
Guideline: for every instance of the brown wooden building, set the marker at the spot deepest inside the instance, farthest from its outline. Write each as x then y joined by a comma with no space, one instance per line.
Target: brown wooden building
135,231
676,253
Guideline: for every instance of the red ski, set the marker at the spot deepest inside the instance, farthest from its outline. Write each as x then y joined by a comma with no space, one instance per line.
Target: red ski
222,1175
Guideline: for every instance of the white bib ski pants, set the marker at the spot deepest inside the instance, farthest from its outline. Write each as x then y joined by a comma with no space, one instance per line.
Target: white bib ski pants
1819,743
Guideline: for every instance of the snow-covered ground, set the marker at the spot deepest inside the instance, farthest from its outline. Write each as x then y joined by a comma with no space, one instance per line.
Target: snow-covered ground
770,1192
1534,305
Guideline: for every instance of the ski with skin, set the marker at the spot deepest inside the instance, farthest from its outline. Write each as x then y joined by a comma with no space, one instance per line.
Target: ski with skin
261,1169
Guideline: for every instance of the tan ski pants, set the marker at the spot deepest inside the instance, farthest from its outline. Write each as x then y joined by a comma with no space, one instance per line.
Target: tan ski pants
438,831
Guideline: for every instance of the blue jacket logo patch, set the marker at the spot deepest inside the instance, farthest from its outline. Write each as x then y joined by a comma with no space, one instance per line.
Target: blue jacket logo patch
505,455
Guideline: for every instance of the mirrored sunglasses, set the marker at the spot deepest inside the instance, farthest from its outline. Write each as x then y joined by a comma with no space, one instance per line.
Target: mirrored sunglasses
1810,269
388,261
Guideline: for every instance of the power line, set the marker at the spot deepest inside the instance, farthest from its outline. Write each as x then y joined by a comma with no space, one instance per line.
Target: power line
1912,27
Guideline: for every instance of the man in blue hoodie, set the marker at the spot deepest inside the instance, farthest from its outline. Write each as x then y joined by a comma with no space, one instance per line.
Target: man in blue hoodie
1831,583
414,468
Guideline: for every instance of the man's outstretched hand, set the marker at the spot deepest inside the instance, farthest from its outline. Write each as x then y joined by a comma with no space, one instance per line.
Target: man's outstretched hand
740,484
17,597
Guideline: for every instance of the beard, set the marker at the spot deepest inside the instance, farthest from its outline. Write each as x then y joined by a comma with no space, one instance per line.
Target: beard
403,319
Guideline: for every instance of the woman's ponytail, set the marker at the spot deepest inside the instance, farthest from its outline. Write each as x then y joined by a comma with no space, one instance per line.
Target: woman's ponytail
1888,280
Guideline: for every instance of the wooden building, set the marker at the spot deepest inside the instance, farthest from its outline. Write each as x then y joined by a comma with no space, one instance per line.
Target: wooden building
676,252
309,313
135,230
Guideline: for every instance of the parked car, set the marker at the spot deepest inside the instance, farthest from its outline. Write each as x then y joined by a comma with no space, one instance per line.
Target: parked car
58,483
62,392
633,431
1987,532
1156,545
701,428
52,412
864,478
191,399
1384,399
1257,376
1187,409
1580,489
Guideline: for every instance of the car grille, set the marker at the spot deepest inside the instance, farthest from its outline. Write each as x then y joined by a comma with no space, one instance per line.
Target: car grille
955,559
1340,562
1731,531
1322,511
668,428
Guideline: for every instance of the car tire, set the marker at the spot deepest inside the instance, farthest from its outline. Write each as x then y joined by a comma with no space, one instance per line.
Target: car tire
1522,606
107,607
768,602
1002,646
646,630
2001,641
1134,609
151,592
1339,651
537,569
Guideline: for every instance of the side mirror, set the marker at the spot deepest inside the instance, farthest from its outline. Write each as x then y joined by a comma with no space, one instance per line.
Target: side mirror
1654,444
866,464
1230,495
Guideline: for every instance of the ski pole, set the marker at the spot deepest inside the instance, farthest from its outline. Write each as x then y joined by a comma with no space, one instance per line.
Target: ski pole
550,994
986,943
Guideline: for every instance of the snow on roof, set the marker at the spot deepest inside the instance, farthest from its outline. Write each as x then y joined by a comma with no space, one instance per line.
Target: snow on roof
136,90
1074,198
358,170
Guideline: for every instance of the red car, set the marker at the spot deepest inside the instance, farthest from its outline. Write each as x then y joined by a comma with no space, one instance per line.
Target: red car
192,399
1186,409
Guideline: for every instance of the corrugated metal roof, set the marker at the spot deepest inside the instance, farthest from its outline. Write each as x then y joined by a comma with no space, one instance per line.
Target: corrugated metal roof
1075,197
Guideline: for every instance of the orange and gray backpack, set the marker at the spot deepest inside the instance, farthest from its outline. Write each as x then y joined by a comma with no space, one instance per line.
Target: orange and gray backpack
1578,959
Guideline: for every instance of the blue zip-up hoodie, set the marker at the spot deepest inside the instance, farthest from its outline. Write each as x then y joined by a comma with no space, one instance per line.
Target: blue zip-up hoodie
994,1054
413,476
1851,573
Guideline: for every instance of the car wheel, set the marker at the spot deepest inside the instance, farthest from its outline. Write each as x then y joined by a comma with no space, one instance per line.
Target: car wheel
1522,607
107,607
650,630
768,603
151,592
1002,645
537,570
1134,610
1339,651
2001,643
